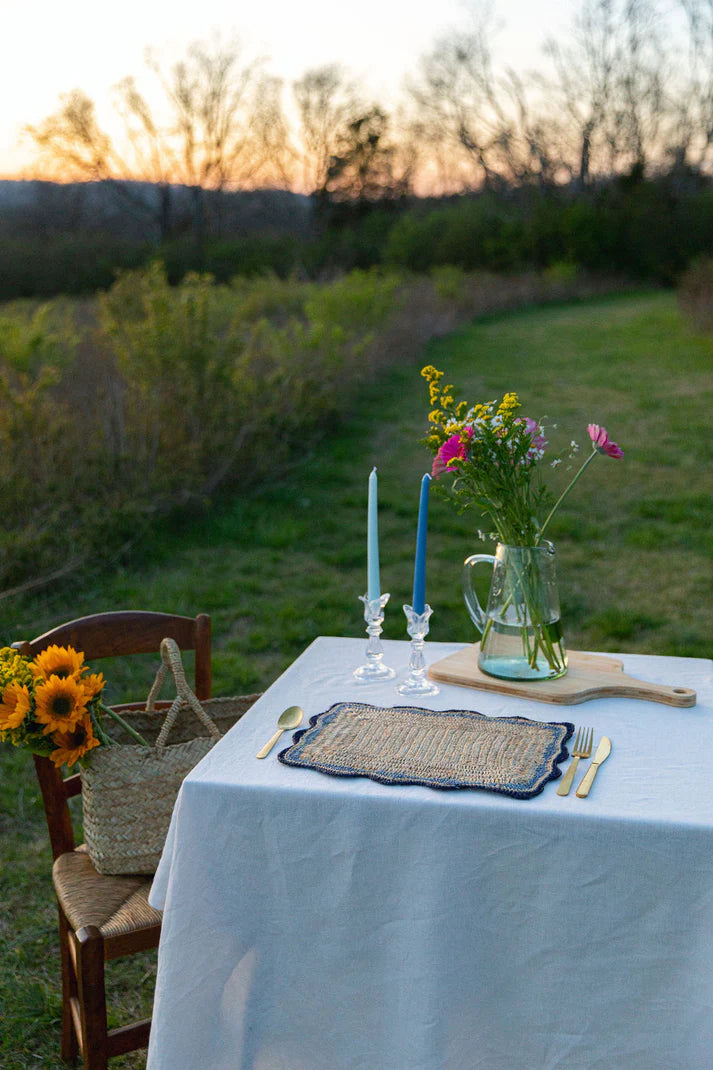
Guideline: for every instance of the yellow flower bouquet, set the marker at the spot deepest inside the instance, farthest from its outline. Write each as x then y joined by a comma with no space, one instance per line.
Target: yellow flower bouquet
51,704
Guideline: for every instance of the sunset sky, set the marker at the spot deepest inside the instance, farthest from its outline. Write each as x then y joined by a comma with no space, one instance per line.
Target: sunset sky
50,48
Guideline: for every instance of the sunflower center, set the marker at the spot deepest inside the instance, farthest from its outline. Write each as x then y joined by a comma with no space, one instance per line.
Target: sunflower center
77,737
61,706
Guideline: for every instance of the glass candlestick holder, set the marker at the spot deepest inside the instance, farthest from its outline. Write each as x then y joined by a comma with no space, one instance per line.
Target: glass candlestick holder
374,669
417,683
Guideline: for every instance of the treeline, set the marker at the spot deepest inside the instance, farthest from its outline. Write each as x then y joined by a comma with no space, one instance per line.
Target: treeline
647,229
627,85
601,159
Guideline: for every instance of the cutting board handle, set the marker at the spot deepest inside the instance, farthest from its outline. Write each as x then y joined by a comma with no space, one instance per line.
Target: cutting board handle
670,696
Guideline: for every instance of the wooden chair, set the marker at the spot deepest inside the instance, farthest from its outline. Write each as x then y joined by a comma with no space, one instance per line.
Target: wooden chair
101,917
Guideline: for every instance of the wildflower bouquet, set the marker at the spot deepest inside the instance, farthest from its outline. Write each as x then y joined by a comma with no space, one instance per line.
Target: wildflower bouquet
51,704
495,457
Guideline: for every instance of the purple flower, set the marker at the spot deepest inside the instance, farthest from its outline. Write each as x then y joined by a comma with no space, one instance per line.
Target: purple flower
537,439
601,441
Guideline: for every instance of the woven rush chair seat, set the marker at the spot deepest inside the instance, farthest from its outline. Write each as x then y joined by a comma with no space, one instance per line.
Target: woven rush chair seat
115,905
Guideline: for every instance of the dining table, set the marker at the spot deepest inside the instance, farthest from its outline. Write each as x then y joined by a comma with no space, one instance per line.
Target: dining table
321,922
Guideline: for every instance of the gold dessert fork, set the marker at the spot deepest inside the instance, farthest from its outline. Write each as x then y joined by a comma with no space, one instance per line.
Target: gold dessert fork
582,749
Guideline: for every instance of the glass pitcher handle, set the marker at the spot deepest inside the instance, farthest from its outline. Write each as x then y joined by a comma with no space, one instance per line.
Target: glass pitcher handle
471,599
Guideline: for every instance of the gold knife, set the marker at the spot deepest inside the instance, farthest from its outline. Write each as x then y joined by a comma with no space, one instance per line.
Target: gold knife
602,753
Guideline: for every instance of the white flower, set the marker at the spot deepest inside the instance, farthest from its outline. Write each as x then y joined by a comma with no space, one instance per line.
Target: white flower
557,460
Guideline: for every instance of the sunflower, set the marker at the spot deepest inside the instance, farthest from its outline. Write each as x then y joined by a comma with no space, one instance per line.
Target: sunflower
15,705
93,684
74,743
59,703
62,661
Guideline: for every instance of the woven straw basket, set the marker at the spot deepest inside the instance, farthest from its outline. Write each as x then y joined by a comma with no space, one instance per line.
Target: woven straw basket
128,791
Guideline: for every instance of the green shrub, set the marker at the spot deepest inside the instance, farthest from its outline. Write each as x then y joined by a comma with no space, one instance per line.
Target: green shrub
695,293
164,395
223,258
481,232
562,271
38,266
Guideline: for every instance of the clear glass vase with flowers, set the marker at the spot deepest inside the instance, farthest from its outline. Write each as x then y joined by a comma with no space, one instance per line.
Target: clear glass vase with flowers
494,457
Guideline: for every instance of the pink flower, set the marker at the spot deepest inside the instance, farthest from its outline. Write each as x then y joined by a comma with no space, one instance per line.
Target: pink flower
451,450
539,441
601,441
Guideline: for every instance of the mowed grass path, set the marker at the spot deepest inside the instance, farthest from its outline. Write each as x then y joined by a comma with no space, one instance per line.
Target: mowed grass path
634,541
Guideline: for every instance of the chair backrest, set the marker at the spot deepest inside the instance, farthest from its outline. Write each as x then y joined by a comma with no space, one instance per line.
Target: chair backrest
104,635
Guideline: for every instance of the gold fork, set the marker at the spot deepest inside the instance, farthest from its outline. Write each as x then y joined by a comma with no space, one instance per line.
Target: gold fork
582,749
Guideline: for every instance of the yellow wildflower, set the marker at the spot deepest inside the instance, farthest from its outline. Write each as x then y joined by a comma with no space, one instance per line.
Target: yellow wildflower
13,666
509,405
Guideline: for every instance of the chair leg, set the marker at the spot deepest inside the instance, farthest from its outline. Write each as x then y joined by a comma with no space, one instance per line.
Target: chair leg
70,1047
92,997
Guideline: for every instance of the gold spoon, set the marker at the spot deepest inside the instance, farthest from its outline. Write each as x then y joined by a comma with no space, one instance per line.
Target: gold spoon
290,718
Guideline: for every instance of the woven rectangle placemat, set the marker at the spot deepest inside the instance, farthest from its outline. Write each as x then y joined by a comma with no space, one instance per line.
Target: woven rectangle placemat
439,749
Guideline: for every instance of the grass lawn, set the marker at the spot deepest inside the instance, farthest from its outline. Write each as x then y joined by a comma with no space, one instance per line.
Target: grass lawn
634,541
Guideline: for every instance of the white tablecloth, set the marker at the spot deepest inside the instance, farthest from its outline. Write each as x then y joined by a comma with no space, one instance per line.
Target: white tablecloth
319,923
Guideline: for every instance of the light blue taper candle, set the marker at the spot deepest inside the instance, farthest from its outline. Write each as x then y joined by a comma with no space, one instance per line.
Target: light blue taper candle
372,542
419,569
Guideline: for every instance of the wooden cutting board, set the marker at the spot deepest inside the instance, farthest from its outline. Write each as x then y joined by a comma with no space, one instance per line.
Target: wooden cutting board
588,676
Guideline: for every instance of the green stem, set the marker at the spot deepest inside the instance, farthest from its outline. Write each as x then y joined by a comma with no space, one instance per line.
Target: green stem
120,720
563,495
101,734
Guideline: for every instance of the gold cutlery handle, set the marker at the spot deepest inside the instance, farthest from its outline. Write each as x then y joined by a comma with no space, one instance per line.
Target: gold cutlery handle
587,781
566,784
264,751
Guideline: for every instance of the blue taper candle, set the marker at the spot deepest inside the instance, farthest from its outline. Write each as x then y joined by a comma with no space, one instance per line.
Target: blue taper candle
373,589
419,569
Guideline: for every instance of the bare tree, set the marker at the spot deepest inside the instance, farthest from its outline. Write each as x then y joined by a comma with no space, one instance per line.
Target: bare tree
364,167
451,101
601,111
326,102
225,129
71,144
690,92
469,111
608,82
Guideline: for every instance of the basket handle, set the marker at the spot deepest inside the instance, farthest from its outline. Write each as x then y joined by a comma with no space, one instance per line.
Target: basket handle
171,661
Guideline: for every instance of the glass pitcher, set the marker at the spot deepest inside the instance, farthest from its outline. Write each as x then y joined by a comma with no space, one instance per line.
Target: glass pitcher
521,634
